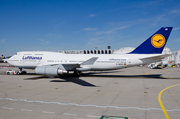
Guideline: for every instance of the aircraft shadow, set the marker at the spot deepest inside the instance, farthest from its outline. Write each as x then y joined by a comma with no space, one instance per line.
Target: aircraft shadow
75,80
36,78
103,72
155,76
72,79
79,81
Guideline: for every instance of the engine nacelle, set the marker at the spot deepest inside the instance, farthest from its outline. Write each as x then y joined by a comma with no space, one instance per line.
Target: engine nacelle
50,70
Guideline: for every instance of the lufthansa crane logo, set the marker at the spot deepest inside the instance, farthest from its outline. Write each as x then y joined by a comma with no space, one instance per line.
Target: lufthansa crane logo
158,40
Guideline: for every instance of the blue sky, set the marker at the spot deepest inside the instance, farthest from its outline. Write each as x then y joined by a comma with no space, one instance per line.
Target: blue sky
52,25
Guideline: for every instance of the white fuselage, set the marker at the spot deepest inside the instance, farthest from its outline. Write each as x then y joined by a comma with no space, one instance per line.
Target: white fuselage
104,62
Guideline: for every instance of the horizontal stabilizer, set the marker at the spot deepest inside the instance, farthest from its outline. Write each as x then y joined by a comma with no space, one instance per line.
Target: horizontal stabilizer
90,61
159,57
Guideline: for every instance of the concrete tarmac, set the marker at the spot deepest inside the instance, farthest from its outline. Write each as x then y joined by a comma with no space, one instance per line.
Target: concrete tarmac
131,92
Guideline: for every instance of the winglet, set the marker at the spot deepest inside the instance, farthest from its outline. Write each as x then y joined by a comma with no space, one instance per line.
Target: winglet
154,44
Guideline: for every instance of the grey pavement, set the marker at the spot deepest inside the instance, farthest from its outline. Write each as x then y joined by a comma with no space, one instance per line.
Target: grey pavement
130,92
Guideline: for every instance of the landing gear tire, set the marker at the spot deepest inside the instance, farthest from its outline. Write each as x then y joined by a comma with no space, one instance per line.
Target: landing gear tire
21,72
77,73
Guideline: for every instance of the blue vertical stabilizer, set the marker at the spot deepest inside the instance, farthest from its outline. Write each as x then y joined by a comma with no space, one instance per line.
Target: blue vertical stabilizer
3,57
154,44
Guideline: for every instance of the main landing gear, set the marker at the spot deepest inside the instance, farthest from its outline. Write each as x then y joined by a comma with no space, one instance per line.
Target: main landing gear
77,73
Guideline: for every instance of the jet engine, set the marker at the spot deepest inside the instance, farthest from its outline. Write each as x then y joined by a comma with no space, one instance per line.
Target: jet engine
50,70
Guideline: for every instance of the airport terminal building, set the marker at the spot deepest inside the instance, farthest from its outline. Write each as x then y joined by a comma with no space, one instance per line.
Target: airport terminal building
107,51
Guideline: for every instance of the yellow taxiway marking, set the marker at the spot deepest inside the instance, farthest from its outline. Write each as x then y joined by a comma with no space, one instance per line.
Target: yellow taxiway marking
153,72
159,99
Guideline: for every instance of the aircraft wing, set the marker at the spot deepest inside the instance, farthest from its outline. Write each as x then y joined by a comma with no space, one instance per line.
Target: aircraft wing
74,66
81,67
156,58
90,61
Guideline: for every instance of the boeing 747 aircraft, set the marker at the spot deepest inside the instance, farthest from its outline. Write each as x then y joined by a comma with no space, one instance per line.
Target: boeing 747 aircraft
55,64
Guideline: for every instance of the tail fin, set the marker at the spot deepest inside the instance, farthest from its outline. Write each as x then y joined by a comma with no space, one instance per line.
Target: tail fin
154,44
3,57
